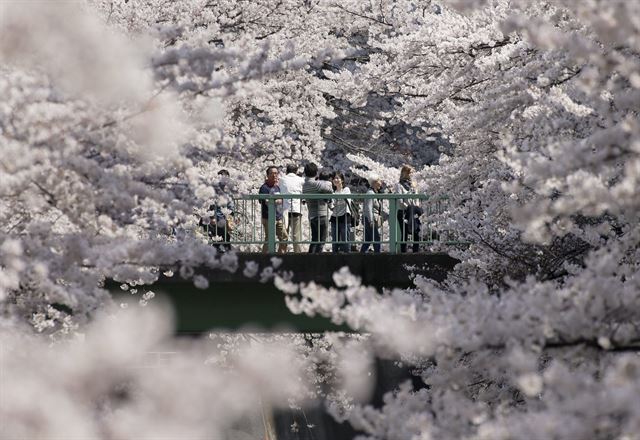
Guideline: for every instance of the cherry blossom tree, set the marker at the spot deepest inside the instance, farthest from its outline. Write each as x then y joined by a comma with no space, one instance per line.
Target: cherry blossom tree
116,117
536,99
107,139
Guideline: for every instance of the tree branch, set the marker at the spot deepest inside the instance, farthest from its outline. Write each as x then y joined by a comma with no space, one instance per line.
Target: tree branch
362,15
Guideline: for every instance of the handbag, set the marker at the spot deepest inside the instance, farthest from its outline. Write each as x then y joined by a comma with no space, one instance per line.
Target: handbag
354,209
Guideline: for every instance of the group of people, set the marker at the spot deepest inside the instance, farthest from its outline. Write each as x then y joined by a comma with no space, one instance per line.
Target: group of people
341,215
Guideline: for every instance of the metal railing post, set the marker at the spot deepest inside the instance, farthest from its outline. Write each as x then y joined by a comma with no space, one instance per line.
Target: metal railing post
271,225
393,226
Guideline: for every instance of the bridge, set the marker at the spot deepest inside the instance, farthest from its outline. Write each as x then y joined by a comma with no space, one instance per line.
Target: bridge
248,301
249,297
234,300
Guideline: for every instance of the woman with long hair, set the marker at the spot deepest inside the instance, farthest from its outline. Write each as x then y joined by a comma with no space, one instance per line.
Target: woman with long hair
341,216
408,213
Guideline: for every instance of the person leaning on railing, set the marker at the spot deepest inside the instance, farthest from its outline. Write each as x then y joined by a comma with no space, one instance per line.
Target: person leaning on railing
409,212
372,217
318,209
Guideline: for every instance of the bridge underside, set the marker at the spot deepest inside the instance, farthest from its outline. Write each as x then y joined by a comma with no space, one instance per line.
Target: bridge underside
234,301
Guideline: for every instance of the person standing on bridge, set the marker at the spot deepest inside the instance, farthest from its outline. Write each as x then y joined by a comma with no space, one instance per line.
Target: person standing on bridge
270,186
340,216
408,213
372,216
220,224
318,208
291,183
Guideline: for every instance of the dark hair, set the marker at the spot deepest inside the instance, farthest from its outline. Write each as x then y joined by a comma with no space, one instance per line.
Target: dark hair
291,168
324,175
311,169
340,175
223,173
269,168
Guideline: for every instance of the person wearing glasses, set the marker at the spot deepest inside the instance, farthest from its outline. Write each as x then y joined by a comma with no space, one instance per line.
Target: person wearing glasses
270,186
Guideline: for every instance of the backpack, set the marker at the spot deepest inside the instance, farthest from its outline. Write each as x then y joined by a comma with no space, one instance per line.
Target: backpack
354,208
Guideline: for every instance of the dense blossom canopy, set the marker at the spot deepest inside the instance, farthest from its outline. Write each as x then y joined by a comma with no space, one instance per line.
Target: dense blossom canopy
116,116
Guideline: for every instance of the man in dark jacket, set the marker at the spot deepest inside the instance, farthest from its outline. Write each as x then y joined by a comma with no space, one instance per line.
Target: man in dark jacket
270,186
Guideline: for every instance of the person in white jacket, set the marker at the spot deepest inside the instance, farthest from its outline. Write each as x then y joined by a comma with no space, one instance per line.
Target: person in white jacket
291,183
340,216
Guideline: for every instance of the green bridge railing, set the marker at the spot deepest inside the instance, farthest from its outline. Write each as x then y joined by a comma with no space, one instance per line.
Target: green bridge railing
248,233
